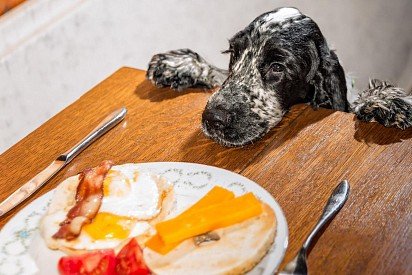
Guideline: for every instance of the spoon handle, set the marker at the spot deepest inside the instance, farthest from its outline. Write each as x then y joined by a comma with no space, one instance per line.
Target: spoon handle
334,204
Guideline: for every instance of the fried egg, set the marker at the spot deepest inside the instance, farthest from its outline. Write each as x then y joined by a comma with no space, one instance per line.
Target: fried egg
132,200
129,193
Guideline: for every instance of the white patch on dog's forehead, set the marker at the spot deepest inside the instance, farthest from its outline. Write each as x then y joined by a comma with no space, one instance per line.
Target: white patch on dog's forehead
281,15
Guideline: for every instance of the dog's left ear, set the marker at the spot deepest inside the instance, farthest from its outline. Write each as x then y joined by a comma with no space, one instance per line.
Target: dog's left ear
327,77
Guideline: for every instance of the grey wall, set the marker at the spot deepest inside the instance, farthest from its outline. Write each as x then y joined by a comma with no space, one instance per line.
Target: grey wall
51,52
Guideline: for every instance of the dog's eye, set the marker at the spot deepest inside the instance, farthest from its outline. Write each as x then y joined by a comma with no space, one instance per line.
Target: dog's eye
274,72
276,68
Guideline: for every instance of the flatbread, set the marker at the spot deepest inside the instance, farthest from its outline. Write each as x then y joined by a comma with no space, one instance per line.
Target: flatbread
239,249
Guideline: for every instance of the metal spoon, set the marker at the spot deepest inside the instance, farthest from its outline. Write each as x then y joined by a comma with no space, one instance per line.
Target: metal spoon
338,198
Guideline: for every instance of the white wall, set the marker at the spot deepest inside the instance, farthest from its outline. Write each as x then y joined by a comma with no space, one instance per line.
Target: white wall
52,51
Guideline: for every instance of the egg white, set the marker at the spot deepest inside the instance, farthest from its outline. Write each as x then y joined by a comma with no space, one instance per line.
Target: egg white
132,194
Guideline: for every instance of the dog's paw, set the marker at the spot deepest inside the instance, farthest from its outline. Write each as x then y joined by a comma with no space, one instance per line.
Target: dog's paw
386,104
390,113
179,69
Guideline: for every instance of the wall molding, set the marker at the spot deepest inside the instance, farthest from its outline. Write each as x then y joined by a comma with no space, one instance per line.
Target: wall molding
33,17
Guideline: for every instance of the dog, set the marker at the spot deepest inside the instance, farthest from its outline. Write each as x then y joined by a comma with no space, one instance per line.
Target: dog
279,60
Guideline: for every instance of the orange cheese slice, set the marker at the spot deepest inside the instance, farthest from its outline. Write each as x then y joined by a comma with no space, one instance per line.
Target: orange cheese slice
156,243
209,218
216,195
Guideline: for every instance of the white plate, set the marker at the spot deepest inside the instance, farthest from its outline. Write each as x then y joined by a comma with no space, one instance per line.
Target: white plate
22,251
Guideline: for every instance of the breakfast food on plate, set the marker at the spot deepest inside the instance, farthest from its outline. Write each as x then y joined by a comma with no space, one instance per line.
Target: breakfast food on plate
96,262
203,220
129,261
116,220
235,235
104,207
88,199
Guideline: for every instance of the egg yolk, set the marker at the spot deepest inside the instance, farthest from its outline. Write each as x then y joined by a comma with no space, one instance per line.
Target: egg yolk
109,226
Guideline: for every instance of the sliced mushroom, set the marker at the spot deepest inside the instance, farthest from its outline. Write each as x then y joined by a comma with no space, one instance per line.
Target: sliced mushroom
207,237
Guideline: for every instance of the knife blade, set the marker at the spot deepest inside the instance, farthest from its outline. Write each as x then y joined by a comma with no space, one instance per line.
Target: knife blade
27,189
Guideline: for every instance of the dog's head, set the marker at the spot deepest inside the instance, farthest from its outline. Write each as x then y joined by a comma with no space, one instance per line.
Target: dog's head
279,60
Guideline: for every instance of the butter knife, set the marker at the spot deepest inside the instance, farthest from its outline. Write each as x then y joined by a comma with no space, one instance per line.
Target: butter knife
41,178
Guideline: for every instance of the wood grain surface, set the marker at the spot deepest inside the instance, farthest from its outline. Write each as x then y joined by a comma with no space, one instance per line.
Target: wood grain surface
299,163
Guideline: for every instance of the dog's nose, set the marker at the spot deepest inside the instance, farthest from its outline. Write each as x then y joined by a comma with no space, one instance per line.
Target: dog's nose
217,118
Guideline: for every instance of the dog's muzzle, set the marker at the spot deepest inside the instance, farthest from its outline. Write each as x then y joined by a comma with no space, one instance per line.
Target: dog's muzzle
228,119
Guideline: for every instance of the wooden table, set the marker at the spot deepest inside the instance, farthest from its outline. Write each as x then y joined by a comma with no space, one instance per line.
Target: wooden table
299,163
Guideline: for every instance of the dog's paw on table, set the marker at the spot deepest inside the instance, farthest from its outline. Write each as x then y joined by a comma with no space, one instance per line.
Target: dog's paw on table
179,69
386,104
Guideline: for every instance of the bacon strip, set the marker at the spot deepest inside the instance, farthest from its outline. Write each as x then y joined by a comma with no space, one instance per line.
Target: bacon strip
89,195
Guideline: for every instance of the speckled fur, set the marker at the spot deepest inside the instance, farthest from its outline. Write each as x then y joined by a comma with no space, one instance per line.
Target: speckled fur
181,69
386,104
279,60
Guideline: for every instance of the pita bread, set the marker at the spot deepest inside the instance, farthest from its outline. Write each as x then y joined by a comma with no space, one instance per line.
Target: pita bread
239,249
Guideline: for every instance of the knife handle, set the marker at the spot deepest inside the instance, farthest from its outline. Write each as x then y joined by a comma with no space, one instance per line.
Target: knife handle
108,123
30,187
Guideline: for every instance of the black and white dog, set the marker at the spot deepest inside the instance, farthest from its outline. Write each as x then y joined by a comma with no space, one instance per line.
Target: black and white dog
279,60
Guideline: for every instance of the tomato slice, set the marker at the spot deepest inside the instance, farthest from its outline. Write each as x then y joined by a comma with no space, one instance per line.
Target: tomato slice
102,262
129,261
